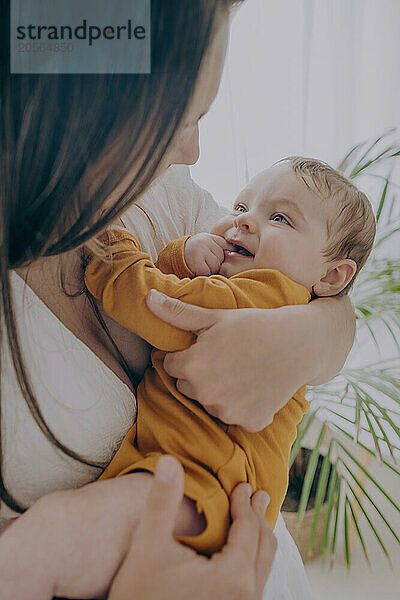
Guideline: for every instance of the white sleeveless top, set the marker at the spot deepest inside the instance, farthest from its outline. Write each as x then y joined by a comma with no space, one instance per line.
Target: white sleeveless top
85,404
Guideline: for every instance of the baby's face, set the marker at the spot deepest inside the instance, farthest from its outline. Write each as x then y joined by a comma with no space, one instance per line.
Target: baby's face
280,224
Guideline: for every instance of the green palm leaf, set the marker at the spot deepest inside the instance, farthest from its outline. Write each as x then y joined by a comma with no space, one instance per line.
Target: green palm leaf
336,521
359,410
372,526
320,496
332,489
309,476
360,536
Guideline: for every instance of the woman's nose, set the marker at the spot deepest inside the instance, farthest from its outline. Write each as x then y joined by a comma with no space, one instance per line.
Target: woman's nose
245,222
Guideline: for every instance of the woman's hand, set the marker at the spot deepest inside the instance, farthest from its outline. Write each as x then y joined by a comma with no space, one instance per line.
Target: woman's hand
246,364
157,566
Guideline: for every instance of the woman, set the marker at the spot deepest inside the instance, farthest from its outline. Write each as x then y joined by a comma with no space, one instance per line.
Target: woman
77,151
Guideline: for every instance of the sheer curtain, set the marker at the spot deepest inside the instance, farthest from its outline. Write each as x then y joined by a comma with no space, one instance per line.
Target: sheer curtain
309,77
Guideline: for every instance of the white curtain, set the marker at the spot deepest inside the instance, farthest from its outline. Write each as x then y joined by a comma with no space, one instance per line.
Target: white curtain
310,77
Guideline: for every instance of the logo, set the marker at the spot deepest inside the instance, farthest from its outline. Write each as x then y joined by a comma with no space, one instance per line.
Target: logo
75,36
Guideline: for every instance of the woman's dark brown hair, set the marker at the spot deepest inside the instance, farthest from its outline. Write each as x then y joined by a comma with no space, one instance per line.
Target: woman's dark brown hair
56,130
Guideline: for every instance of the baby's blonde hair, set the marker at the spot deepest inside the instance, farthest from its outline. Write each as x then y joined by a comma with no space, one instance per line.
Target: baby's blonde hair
351,233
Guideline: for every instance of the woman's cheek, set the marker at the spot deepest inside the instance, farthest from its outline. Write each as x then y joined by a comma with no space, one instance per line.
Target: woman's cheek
187,152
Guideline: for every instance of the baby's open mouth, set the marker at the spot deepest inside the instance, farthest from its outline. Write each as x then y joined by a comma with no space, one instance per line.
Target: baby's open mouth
242,250
237,249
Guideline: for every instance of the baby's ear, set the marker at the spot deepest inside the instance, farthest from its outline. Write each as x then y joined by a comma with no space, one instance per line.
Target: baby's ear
339,274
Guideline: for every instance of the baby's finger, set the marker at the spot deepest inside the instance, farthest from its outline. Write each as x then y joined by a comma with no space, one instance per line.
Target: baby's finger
218,252
203,268
213,263
218,239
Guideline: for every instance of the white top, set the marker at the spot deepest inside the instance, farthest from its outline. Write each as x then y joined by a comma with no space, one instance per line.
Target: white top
85,404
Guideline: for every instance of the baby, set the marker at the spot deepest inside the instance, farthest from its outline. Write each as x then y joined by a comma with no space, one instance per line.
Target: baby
299,230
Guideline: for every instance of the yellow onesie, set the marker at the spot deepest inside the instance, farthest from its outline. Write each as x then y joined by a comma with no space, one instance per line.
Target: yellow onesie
215,456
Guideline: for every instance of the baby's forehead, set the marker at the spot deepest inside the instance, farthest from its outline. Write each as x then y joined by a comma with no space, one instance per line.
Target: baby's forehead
280,184
277,179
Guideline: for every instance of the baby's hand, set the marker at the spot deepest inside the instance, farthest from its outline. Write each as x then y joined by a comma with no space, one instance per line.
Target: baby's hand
204,253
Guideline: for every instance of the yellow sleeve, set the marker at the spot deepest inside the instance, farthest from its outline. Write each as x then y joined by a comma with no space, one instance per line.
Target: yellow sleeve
172,259
123,283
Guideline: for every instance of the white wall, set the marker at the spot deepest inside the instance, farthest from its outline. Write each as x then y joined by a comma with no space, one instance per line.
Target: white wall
308,77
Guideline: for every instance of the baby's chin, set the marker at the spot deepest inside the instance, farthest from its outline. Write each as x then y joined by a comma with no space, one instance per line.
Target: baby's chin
222,270
228,270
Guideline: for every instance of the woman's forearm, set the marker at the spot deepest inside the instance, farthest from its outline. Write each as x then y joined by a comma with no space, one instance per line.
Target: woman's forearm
24,562
247,363
7,524
70,543
332,328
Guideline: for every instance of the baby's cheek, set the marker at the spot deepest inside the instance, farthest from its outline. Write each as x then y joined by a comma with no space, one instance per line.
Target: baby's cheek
222,226
216,230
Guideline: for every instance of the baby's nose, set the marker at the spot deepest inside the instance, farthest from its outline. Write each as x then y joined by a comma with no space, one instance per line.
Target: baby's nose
244,222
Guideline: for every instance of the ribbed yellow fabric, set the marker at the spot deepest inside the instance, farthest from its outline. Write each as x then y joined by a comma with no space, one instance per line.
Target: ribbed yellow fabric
215,457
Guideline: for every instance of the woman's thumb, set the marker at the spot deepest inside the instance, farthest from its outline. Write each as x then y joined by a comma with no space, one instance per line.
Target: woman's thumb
184,316
163,502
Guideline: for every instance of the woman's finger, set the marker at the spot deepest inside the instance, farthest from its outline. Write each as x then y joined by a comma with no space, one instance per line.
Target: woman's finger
175,363
265,557
185,388
259,503
267,542
163,503
181,315
243,537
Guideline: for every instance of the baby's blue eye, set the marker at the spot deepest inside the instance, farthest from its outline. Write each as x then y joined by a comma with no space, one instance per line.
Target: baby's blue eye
280,219
239,208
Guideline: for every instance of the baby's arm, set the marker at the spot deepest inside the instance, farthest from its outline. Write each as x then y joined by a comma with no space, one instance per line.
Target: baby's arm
193,255
123,284
122,287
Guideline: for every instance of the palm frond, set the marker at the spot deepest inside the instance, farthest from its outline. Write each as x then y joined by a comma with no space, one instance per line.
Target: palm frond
309,476
320,496
355,418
